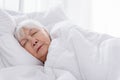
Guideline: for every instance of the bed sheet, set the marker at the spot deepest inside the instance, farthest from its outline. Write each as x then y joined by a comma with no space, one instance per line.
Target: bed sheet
34,72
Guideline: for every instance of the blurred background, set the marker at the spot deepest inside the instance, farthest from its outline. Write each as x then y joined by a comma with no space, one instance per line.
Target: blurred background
98,15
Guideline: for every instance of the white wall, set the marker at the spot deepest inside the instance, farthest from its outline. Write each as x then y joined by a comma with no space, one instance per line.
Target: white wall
1,4
105,16
99,15
78,11
9,4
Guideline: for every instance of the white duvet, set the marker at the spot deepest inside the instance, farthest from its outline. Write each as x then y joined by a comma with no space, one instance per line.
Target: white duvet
74,54
86,55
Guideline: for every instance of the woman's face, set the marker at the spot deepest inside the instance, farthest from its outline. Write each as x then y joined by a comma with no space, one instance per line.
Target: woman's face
36,41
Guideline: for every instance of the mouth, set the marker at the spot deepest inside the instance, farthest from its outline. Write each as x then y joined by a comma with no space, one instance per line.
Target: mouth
39,48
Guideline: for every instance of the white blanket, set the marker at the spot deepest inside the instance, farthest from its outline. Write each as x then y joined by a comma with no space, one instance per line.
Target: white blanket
34,72
74,54
30,72
84,54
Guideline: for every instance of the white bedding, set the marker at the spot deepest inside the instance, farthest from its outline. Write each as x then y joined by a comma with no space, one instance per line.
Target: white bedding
82,53
34,72
74,54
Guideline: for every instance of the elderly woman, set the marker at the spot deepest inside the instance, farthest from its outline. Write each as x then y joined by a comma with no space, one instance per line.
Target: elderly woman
33,37
82,53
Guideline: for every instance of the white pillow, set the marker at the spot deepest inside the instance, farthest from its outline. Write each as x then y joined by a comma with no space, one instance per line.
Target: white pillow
48,18
51,16
7,24
11,53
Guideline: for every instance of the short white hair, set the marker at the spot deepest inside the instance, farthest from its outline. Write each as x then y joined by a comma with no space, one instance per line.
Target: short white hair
18,32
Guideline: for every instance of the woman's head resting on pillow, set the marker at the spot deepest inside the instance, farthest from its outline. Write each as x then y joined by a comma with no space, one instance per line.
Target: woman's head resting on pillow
34,38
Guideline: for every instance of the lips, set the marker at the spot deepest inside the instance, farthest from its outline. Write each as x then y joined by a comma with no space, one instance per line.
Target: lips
39,47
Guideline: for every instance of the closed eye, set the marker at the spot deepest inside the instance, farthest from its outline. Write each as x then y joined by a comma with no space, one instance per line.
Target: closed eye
34,33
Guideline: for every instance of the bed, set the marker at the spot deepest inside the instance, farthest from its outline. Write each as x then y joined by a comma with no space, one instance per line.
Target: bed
74,53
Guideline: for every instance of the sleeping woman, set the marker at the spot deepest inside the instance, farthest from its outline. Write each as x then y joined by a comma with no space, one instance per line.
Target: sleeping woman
67,47
34,38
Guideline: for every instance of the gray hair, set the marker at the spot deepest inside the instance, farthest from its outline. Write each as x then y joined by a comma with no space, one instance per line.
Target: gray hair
18,32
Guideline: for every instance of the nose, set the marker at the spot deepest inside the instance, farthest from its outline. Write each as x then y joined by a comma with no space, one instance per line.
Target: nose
33,41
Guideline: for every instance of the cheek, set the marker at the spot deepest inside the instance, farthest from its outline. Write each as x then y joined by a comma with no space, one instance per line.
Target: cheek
29,48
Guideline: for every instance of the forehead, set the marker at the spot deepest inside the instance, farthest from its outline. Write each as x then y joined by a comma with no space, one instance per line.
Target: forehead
28,29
